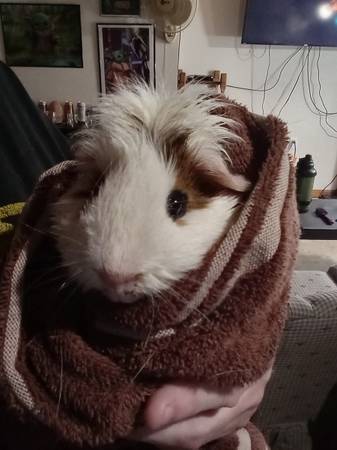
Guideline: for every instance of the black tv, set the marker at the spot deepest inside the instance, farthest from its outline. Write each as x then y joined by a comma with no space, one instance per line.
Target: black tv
291,22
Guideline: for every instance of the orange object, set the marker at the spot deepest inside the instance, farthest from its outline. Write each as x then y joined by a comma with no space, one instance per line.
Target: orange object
56,107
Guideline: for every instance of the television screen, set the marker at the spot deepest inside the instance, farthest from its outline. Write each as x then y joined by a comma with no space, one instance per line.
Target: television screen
291,22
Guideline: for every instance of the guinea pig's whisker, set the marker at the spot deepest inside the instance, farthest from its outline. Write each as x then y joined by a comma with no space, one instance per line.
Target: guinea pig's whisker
45,278
51,233
61,383
133,379
178,295
64,300
69,280
151,323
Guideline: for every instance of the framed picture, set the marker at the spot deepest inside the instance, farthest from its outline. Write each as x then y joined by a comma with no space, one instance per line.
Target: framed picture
126,51
42,35
120,7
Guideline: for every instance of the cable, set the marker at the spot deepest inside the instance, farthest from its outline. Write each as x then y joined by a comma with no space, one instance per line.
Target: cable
263,53
324,189
296,83
287,86
283,66
265,80
313,100
318,112
320,91
178,56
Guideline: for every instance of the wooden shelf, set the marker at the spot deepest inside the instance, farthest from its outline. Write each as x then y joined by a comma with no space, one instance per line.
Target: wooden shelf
215,78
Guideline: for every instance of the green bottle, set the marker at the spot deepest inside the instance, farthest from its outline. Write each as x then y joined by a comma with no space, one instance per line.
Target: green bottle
305,177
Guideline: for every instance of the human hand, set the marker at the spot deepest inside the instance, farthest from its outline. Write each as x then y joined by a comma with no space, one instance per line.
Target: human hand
187,417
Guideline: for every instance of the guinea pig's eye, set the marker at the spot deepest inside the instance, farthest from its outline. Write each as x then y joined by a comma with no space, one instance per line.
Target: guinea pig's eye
176,204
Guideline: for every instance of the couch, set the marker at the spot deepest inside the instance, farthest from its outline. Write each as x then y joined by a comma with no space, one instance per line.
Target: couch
299,408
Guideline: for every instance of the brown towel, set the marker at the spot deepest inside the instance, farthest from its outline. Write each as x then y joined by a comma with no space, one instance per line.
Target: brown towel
84,368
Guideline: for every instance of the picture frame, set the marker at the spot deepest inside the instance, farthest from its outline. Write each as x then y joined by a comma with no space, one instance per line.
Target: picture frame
42,34
120,7
126,51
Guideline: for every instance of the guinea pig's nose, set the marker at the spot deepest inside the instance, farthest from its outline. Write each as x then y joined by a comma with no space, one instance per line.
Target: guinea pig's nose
114,279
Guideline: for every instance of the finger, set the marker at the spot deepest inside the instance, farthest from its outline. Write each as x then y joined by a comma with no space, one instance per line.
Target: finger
197,431
173,403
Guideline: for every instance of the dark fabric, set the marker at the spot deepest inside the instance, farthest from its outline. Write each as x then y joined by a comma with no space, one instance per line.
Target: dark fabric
29,143
323,428
32,435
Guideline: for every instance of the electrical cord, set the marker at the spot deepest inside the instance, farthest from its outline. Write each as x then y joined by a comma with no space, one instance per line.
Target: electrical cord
308,80
288,85
263,52
326,187
313,100
282,67
316,110
178,56
266,79
296,83
320,91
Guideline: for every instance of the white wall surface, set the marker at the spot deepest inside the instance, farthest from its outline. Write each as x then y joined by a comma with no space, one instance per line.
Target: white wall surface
83,84
213,41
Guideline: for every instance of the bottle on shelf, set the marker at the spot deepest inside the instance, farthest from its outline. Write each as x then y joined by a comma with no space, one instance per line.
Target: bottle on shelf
52,116
42,105
70,120
56,107
68,112
305,177
81,115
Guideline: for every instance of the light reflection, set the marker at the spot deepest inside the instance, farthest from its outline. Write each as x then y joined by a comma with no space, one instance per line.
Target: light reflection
325,11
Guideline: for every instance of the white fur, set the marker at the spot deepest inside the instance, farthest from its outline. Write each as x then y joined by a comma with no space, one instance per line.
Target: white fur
126,228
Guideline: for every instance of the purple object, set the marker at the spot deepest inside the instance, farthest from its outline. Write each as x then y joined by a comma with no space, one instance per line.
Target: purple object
323,214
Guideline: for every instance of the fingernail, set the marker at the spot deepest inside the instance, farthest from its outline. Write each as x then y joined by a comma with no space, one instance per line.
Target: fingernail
166,416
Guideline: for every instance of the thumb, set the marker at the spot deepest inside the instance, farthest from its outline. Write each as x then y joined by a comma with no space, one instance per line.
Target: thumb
175,402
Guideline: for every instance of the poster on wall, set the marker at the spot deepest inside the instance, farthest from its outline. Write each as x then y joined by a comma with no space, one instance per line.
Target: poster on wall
120,7
126,51
42,35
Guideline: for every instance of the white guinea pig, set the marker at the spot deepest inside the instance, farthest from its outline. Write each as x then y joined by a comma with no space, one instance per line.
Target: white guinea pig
153,192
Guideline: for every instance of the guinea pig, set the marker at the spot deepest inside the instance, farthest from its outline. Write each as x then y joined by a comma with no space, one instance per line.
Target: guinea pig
153,193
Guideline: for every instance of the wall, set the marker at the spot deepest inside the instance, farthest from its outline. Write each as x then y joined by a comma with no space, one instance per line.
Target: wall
213,42
83,84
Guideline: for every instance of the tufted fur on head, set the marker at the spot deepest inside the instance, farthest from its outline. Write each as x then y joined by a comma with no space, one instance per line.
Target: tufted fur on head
114,229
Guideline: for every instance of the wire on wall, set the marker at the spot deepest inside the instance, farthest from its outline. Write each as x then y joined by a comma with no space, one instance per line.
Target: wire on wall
321,194
282,67
287,86
311,97
317,111
178,55
266,79
320,92
296,82
308,80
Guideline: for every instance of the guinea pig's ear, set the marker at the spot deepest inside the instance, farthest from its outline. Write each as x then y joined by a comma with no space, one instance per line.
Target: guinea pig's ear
218,169
232,181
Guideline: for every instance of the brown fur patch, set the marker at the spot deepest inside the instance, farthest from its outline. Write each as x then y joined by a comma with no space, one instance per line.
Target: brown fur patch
193,177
